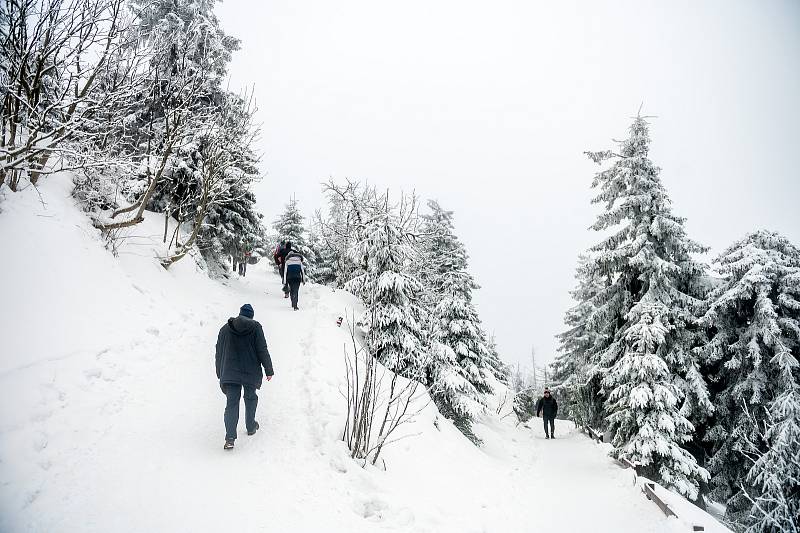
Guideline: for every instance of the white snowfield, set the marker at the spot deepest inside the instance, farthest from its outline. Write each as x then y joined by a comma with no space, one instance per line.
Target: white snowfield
111,419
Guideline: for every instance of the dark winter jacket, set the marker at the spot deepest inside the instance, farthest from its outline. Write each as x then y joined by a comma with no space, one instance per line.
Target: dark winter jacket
241,352
285,250
293,269
547,406
280,253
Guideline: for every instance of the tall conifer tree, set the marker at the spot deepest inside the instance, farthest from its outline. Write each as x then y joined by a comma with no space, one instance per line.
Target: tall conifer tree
647,315
754,316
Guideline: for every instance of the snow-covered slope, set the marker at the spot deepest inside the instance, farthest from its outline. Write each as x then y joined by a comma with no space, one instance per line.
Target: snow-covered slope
112,416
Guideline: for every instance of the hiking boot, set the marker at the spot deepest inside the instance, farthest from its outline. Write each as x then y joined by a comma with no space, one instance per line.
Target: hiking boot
228,445
253,431
547,436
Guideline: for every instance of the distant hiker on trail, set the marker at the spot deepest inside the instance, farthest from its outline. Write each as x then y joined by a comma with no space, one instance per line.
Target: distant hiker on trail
277,255
294,275
285,251
548,408
243,264
241,352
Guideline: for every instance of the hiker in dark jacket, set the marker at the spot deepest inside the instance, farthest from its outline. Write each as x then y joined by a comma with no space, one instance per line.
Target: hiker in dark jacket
277,255
294,275
547,407
241,352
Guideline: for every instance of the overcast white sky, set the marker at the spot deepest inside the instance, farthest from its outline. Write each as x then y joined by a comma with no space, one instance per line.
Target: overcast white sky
488,106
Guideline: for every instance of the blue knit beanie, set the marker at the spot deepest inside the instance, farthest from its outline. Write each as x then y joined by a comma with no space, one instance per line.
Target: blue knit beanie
247,310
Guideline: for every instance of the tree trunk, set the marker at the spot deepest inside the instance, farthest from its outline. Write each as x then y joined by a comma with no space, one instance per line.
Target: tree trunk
166,223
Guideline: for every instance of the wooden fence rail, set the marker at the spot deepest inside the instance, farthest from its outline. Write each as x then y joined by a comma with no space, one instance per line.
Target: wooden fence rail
648,488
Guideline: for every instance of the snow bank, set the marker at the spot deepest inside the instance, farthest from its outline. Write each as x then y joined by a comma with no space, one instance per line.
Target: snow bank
112,419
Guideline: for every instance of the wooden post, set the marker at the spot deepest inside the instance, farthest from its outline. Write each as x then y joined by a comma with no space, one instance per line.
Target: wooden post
625,462
596,435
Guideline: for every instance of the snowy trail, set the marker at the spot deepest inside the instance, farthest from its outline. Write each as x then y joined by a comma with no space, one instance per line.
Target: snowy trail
160,455
158,459
112,419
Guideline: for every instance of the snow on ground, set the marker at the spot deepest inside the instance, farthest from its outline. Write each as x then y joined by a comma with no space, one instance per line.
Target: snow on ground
112,415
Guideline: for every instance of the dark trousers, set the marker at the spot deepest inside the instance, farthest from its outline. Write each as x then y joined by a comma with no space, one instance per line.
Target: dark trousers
294,290
233,391
552,421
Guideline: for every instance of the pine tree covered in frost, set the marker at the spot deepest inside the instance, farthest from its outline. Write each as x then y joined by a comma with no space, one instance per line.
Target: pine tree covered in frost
754,315
394,315
575,369
462,361
457,372
233,228
324,266
289,227
646,315
643,407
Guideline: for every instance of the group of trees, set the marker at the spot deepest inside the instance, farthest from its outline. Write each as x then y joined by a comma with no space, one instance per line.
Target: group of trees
694,371
411,272
130,96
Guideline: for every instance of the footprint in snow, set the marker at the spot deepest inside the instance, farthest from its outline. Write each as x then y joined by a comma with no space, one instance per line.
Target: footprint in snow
373,509
39,441
339,464
92,373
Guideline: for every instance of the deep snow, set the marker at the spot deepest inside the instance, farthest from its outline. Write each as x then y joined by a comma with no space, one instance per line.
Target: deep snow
112,416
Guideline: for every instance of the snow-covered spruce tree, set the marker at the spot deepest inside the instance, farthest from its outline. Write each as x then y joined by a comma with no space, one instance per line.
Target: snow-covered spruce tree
233,228
289,227
647,314
575,369
462,361
457,373
324,261
383,252
643,407
775,475
754,317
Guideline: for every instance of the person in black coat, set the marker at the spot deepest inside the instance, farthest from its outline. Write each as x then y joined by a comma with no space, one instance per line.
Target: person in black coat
241,353
547,407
